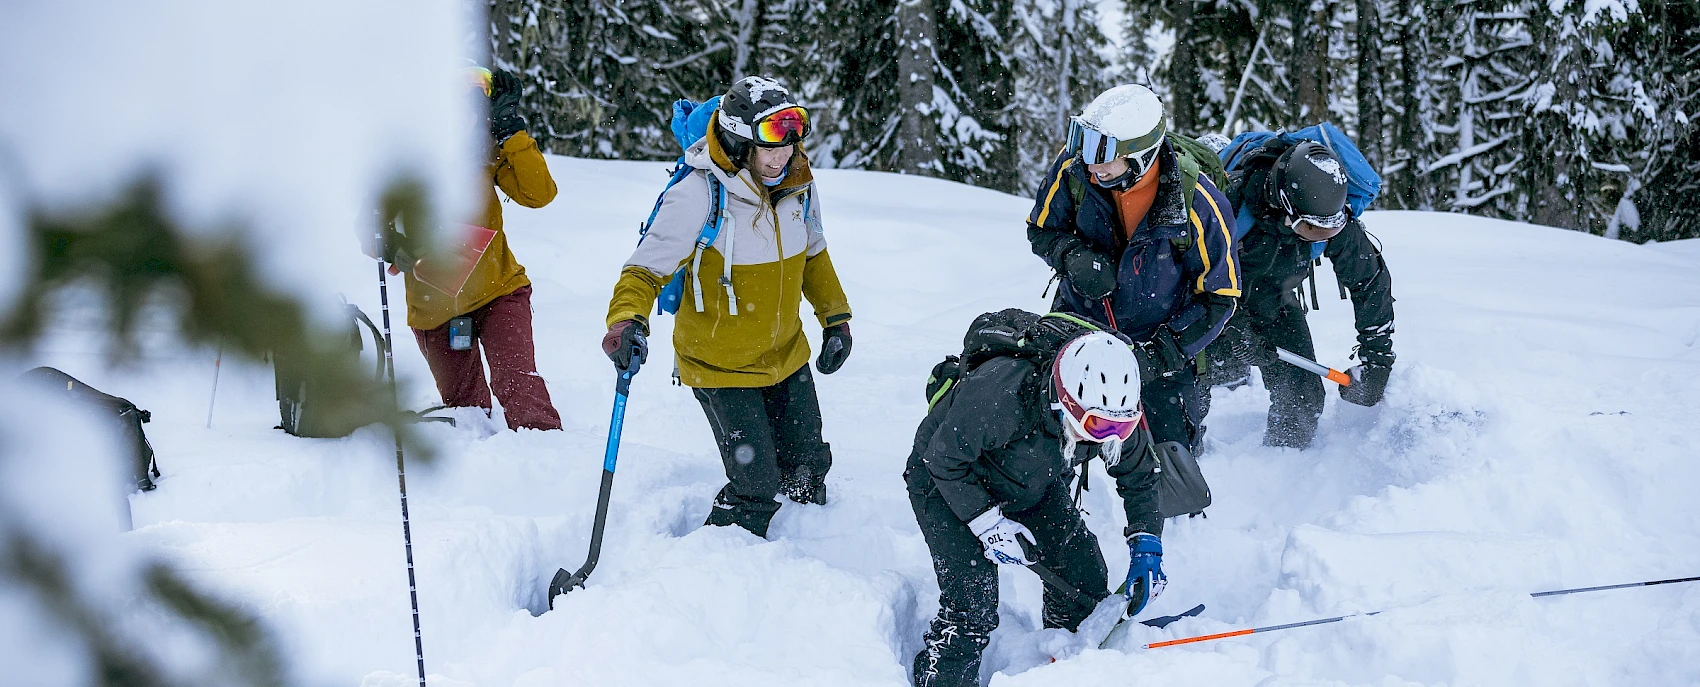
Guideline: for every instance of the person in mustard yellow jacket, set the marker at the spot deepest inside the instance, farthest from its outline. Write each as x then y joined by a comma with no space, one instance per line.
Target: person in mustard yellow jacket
493,303
739,337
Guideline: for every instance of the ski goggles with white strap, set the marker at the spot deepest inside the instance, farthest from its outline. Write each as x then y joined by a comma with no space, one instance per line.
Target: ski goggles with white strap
784,127
1094,147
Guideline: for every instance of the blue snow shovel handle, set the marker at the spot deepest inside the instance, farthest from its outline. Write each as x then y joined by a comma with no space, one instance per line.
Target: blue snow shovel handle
622,388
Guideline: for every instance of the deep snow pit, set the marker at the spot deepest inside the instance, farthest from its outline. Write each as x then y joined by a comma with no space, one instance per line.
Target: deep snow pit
1537,434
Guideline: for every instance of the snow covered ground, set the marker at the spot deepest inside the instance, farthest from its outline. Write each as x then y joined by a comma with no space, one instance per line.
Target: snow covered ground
1538,434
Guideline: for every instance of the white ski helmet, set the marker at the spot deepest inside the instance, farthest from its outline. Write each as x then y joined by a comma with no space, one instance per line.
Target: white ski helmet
1125,121
1096,379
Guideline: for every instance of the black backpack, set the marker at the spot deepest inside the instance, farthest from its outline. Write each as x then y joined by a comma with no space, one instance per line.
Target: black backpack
1181,489
301,405
143,467
1011,332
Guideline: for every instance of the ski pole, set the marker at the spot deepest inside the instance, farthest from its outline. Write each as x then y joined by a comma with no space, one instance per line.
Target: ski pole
1308,623
1309,365
217,364
1110,314
1057,582
401,472
564,582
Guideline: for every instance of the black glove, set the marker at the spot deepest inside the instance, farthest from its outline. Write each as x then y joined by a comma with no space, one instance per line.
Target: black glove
1369,383
1091,273
392,247
1159,357
504,106
625,340
834,348
1250,347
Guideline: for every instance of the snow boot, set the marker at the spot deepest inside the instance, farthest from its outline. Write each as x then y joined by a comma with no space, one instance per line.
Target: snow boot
804,487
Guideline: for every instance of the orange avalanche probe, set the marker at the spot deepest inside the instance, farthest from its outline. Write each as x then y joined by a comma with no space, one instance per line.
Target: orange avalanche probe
1321,370
1307,623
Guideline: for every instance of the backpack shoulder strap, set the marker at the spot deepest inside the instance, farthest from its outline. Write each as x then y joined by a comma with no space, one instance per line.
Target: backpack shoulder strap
710,232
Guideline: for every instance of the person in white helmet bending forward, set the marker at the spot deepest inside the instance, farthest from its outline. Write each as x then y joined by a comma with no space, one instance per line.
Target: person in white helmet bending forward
988,480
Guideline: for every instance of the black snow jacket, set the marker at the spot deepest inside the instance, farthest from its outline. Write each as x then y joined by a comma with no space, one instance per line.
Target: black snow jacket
994,441
1276,262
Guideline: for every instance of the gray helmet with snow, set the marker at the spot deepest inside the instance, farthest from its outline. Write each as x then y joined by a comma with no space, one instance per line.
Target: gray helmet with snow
1125,121
1308,183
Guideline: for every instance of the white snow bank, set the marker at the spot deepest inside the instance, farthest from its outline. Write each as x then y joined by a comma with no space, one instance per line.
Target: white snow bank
289,117
1537,435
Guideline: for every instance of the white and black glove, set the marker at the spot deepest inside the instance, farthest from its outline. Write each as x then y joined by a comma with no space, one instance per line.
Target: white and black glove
1002,537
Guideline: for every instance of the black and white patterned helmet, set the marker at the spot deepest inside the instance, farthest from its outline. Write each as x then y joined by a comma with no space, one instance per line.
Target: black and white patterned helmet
750,100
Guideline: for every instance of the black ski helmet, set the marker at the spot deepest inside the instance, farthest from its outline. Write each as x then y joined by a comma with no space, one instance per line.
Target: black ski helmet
1309,183
749,100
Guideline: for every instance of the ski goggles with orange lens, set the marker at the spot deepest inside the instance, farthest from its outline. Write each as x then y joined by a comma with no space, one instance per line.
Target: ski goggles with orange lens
784,127
482,78
1099,425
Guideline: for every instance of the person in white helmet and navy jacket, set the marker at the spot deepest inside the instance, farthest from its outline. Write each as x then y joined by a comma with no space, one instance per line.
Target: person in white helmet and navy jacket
989,475
1133,222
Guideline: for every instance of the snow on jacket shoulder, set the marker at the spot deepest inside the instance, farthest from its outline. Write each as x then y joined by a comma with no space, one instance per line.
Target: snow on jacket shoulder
521,172
778,257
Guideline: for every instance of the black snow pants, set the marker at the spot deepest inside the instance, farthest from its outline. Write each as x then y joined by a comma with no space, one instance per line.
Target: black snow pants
968,582
1295,395
766,435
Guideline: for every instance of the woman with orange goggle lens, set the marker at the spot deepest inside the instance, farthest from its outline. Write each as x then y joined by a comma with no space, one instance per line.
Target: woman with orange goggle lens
784,127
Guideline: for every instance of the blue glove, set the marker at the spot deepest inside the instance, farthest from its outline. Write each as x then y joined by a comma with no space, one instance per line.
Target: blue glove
1145,578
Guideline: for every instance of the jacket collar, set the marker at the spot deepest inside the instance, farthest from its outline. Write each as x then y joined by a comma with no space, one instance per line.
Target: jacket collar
1169,208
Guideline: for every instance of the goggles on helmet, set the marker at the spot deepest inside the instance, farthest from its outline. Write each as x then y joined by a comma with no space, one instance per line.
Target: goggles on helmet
1312,227
1094,147
782,127
482,78
1094,424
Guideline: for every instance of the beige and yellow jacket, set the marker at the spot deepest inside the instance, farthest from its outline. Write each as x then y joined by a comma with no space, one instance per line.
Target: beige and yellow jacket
778,257
520,171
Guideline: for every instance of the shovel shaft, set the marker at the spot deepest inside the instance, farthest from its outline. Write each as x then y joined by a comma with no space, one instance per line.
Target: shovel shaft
563,582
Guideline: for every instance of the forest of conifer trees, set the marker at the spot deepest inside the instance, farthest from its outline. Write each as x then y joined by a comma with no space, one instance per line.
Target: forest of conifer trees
1570,113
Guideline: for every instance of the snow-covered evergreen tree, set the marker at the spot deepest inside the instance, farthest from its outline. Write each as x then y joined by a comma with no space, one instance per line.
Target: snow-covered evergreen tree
602,74
1058,66
1661,46
1477,88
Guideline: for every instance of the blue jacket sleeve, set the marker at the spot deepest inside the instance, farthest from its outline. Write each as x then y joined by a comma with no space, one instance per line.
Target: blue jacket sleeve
1050,226
1213,263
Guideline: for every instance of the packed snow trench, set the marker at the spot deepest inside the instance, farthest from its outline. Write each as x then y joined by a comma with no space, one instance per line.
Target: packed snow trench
1539,433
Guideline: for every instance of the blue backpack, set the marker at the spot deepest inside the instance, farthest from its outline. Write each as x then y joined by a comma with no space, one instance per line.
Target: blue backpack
690,124
1362,183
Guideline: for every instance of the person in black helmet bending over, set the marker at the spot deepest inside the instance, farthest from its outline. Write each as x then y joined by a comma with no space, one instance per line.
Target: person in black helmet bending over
1296,193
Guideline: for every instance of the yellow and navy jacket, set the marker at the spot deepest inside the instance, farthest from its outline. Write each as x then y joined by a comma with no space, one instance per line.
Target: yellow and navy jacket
774,242
1179,271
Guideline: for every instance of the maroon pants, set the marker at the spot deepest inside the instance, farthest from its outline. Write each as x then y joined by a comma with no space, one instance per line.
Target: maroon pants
503,329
